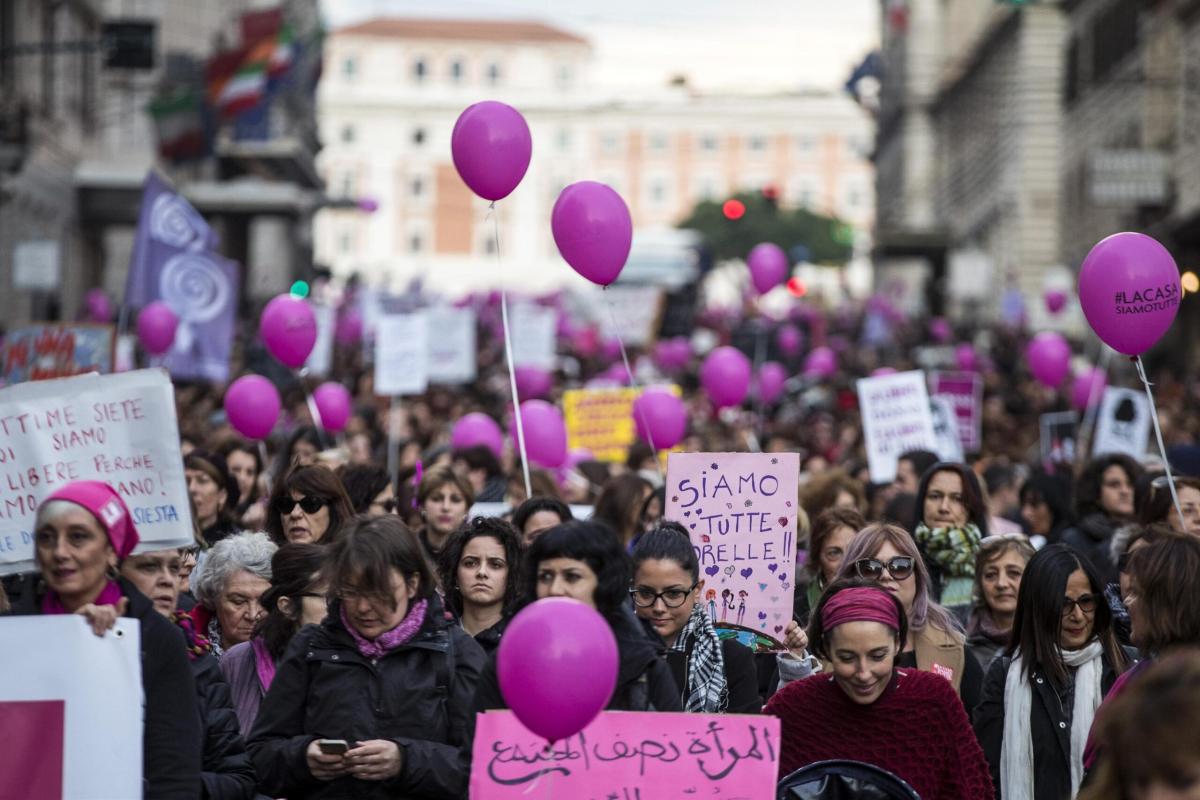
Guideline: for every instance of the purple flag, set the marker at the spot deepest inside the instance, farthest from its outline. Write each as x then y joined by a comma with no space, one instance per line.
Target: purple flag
167,225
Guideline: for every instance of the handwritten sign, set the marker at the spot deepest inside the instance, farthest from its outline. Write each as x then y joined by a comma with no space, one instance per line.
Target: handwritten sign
895,418
964,392
629,756
533,331
120,429
1059,438
451,345
52,706
401,355
1122,423
601,421
53,350
945,429
636,311
320,360
740,511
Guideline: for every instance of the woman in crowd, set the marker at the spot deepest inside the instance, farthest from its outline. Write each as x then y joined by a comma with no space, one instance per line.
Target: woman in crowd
831,533
586,562
309,505
227,773
1041,695
245,465
229,589
300,450
214,494
867,708
444,499
81,535
539,514
887,554
1046,507
295,598
714,675
480,575
1127,540
1103,502
386,672
998,569
1159,506
951,519
652,510
833,488
369,489
620,506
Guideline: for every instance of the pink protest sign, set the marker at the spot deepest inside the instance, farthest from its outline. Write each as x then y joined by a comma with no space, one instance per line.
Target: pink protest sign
628,756
740,511
964,390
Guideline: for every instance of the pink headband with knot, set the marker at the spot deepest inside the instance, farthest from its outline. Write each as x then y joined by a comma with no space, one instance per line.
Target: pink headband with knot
107,507
860,604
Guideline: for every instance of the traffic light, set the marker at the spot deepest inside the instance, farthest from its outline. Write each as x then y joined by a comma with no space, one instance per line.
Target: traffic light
733,209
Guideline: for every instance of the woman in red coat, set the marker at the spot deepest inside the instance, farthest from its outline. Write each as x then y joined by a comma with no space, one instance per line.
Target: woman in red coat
907,722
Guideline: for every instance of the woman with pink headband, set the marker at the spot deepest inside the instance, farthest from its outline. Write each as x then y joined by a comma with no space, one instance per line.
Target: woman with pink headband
907,722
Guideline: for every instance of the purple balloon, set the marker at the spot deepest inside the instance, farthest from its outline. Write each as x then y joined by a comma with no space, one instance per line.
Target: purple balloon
673,354
615,374
660,418
334,404
99,307
1049,358
1056,300
821,363
545,434
288,328
533,383
1088,388
771,379
790,340
368,205
349,328
725,376
610,349
593,230
476,429
156,325
966,358
940,330
491,148
564,643
769,266
252,406
1129,289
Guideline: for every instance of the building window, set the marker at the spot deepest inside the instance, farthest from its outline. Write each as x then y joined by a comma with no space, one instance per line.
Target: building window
493,74
348,185
709,143
566,76
756,144
420,70
416,187
487,245
805,143
564,139
416,243
456,71
706,188
345,243
658,192
418,136
658,142
347,134
610,143
349,67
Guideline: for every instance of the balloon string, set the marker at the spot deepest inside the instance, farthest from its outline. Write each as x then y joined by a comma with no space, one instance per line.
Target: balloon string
1092,411
759,356
313,410
612,312
512,370
1141,371
266,472
393,451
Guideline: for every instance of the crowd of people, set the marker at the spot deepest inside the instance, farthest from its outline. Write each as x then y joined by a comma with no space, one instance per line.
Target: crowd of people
996,627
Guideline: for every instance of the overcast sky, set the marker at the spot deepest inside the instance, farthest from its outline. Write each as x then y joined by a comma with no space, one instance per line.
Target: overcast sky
744,45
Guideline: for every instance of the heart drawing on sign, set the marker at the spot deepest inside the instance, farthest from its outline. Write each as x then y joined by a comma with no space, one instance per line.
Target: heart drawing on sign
729,505
788,503
783,521
687,513
778,628
747,572
783,576
772,567
778,615
775,599
713,570
762,615
692,526
704,537
786,585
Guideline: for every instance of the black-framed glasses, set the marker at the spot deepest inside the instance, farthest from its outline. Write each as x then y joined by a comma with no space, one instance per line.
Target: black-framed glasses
645,597
1086,602
899,567
308,504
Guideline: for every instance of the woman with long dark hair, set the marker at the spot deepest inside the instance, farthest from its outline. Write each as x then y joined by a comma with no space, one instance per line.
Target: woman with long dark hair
620,506
308,505
1046,507
951,519
1103,502
480,569
214,494
246,466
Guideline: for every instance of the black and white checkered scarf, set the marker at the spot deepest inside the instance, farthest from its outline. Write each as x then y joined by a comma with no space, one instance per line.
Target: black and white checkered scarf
707,691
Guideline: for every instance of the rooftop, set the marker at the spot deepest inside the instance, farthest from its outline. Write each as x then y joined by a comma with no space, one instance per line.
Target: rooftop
460,29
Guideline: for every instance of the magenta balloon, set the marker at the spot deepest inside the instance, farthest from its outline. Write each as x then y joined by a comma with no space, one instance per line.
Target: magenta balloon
1129,289
940,330
610,349
1088,388
1049,358
491,148
771,379
368,205
725,376
99,307
156,326
476,429
1056,300
349,328
790,340
564,643
965,358
545,434
821,363
660,418
288,328
593,230
334,403
252,406
533,383
769,266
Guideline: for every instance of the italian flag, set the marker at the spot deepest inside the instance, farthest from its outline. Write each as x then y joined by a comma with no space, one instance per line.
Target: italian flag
179,124
246,87
284,54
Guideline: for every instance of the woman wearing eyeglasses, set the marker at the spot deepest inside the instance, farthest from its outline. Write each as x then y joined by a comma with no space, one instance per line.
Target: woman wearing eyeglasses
951,518
480,574
309,505
1041,696
999,567
714,675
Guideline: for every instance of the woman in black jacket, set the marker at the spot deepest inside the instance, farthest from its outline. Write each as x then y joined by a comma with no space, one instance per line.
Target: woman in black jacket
480,572
1040,697
586,562
1104,502
386,674
82,533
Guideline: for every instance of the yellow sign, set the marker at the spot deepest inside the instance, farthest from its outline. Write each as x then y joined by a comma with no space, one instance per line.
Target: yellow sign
601,420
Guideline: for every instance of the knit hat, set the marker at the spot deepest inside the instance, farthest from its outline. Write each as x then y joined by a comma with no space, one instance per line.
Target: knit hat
107,507
860,604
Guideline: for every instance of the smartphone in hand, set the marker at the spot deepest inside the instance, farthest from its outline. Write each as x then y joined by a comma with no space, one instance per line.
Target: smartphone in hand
333,747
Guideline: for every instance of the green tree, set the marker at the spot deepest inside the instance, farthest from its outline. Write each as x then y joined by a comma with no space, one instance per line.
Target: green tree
826,240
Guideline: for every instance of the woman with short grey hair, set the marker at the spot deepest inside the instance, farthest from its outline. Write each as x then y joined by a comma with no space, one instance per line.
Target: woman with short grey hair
229,585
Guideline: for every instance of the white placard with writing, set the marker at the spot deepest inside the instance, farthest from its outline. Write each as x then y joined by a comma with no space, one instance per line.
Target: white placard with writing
451,345
36,264
1123,423
320,360
636,309
945,429
120,429
895,418
533,330
401,355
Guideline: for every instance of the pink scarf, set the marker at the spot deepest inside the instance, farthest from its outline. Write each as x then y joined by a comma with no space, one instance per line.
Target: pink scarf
264,665
110,595
386,642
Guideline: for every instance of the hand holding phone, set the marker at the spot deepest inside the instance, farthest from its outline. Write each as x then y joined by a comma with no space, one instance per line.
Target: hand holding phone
333,747
326,758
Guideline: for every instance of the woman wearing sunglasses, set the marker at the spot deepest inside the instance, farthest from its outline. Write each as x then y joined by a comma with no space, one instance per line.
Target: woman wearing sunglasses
1041,696
309,505
714,675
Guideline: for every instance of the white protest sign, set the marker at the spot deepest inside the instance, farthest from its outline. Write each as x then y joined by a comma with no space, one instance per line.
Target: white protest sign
401,355
321,358
533,330
1122,424
70,709
451,345
945,428
120,429
636,309
895,418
